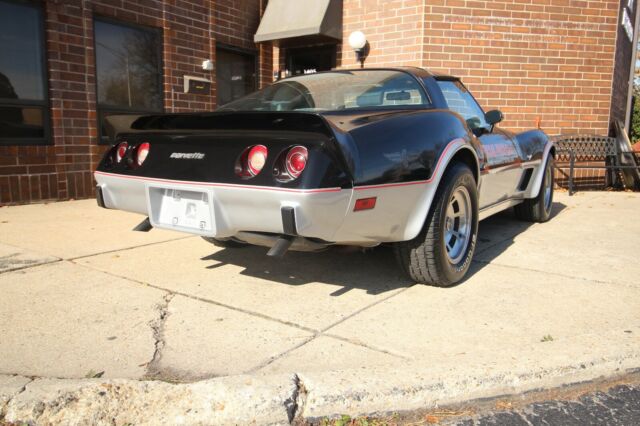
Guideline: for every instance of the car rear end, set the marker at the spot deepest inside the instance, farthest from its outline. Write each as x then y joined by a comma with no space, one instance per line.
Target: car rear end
249,176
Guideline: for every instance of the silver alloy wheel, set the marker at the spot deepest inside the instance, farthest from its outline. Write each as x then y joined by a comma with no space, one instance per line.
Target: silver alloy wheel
548,187
457,225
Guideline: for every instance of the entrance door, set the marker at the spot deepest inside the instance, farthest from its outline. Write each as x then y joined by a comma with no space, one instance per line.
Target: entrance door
235,74
317,58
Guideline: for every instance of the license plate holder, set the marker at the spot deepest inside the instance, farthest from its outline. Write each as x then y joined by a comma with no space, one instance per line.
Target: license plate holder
182,209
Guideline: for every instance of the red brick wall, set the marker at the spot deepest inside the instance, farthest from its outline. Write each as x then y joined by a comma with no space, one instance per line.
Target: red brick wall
236,21
394,29
551,59
190,29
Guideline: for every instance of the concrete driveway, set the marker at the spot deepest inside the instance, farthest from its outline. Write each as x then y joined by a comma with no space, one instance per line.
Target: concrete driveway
81,295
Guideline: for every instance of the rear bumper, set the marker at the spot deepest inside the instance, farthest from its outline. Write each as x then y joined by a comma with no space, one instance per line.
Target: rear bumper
318,213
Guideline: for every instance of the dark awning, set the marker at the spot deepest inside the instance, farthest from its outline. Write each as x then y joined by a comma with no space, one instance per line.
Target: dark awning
286,19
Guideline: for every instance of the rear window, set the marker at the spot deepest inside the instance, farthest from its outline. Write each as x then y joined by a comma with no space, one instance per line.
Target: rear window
336,90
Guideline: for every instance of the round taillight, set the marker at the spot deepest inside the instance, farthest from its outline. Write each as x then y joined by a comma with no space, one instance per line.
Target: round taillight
121,151
256,159
142,153
296,160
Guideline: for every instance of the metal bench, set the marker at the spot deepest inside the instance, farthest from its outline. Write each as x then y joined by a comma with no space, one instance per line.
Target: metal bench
580,150
621,164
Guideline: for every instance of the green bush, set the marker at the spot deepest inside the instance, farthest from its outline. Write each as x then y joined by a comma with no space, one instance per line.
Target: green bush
635,118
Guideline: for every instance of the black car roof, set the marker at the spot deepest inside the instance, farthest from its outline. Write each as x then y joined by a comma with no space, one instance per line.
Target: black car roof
416,71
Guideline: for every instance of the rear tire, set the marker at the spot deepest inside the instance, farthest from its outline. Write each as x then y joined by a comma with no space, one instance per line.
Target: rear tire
539,209
440,255
229,243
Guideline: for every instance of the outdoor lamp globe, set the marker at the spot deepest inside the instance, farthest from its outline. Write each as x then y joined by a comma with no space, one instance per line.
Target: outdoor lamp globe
357,40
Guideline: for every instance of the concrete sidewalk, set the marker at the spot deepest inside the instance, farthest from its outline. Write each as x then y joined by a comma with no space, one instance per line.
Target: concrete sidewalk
83,296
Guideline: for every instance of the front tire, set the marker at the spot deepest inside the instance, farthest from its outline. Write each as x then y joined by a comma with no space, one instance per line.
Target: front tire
440,255
539,209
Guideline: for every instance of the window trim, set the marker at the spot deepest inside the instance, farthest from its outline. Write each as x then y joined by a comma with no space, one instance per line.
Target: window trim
45,103
254,53
100,108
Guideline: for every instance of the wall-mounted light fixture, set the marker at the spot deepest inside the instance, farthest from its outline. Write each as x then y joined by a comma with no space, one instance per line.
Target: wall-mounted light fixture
358,42
207,65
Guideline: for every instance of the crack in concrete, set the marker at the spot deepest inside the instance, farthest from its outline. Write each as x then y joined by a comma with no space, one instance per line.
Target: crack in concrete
370,347
201,299
157,327
322,332
296,403
521,268
5,406
84,256
30,266
274,358
364,308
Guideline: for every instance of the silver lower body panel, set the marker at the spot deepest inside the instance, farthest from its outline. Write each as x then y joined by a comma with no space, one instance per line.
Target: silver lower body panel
243,212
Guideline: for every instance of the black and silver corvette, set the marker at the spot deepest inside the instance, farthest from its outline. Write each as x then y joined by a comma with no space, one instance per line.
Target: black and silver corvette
352,157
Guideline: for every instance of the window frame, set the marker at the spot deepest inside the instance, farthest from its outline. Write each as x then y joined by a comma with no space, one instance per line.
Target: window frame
239,51
45,103
101,108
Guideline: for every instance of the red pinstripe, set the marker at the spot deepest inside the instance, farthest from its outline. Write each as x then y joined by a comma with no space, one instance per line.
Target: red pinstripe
220,185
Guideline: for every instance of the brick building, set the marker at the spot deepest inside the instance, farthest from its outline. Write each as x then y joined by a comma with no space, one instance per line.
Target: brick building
64,65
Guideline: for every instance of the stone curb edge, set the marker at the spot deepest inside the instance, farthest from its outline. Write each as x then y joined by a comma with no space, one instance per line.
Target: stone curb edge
281,399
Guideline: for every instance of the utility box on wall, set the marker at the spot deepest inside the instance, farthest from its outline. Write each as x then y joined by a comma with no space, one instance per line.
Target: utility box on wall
196,85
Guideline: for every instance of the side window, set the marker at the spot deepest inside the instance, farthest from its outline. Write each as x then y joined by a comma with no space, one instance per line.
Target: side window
460,100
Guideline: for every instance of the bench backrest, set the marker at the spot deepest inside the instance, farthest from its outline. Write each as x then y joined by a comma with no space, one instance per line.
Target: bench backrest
584,147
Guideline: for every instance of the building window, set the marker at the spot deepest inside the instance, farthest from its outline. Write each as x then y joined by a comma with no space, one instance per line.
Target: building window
128,70
301,60
235,74
24,113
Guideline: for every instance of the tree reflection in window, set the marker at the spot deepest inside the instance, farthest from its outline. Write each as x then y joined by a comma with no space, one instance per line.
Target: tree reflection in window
128,69
23,106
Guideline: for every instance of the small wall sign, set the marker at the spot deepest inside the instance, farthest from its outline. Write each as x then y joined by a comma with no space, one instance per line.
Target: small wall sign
196,85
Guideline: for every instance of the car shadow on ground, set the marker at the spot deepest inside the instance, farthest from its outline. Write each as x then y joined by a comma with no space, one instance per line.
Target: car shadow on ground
373,270
497,233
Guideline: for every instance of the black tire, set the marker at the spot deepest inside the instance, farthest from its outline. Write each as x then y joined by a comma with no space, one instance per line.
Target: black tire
228,243
425,258
539,209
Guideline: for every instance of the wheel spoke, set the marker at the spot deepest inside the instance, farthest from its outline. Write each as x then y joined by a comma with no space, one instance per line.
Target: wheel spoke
459,235
457,220
450,212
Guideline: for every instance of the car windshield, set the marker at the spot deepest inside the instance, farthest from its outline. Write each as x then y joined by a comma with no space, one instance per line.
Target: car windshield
334,91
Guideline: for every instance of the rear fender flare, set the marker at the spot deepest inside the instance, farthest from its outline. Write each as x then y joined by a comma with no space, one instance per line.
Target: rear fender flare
534,188
423,206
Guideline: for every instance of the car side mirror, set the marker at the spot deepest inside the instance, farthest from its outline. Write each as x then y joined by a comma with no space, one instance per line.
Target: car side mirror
493,117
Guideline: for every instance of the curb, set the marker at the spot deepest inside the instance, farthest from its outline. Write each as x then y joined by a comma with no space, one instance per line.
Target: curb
282,399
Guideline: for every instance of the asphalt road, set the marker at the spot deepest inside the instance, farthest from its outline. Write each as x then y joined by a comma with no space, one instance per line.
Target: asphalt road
620,405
